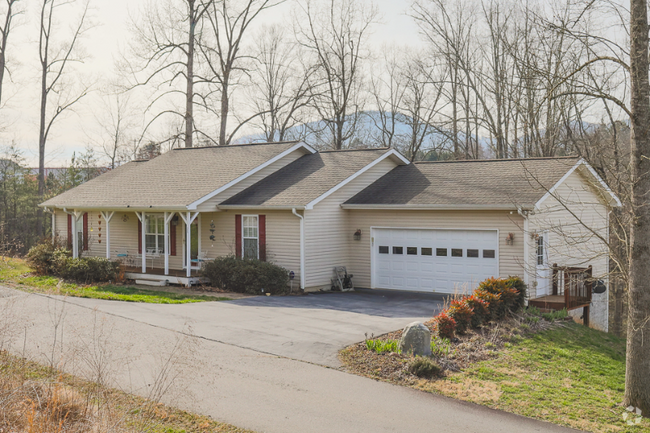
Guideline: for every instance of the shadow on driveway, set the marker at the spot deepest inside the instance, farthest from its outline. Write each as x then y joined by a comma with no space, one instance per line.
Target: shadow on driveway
373,302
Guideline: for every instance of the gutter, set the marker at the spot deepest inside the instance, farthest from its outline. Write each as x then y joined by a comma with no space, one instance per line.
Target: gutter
434,207
261,207
126,208
302,248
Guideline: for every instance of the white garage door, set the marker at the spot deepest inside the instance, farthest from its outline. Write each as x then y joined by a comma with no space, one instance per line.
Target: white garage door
445,261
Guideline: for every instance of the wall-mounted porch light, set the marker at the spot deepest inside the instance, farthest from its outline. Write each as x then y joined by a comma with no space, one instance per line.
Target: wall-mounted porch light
357,235
510,239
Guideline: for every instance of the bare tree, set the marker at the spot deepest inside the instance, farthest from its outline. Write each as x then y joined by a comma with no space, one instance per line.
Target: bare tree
280,83
115,124
55,59
167,36
336,36
637,379
225,58
5,29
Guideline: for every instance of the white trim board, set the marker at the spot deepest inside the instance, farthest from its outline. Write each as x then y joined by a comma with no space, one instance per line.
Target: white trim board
195,204
340,185
591,171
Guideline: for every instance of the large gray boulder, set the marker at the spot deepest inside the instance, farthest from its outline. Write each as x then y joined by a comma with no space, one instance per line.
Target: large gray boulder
416,339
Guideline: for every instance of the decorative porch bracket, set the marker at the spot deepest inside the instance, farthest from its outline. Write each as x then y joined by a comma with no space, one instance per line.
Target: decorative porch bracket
168,218
142,217
188,218
107,218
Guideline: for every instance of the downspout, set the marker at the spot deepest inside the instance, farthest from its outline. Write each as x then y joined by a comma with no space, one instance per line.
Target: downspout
302,247
524,214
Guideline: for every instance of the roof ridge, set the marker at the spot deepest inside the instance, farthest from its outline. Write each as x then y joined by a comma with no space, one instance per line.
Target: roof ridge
237,145
353,150
540,158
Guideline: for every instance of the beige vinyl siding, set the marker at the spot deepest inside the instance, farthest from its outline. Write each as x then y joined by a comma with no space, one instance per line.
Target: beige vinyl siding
282,236
510,256
576,220
327,235
211,204
61,225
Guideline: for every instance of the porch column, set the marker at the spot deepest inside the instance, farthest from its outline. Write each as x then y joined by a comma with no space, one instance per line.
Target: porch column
53,225
168,218
143,239
75,236
107,219
188,218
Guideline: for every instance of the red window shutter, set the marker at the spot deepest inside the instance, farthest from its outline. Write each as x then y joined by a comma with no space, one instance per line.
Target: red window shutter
85,231
139,237
262,236
69,231
172,238
238,249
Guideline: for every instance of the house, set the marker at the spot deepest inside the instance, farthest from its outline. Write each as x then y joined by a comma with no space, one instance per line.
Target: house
424,226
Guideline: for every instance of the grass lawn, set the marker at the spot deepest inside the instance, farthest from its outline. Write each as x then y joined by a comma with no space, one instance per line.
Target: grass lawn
38,399
16,273
568,375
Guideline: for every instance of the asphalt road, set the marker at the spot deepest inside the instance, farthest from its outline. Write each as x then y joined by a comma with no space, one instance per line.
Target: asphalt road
265,390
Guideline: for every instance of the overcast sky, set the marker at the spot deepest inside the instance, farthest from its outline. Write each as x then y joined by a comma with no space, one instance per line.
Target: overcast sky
103,43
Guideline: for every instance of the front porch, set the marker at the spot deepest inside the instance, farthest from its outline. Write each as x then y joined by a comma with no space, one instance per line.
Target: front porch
572,289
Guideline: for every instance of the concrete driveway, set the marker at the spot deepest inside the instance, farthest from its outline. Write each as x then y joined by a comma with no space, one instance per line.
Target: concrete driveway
310,328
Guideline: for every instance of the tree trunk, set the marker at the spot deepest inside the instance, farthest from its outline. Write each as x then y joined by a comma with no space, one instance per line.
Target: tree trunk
189,92
224,112
41,148
637,375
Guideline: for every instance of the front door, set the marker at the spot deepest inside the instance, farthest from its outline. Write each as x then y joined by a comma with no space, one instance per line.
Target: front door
544,275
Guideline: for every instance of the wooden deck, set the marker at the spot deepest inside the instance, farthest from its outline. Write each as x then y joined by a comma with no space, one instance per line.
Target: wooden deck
553,302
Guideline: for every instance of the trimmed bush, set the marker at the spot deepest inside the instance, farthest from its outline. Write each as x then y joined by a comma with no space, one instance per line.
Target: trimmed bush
493,302
462,313
49,259
424,367
519,286
445,325
234,274
480,309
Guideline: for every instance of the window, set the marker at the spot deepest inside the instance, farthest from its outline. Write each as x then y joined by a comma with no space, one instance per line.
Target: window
155,234
457,252
540,250
398,250
472,253
412,251
383,250
441,252
489,254
250,235
426,251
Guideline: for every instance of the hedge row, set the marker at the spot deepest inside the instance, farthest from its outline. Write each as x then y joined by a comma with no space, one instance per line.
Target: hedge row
492,300
234,274
50,259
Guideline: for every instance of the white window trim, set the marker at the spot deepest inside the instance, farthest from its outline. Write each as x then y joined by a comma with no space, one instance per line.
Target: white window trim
159,250
257,218
545,264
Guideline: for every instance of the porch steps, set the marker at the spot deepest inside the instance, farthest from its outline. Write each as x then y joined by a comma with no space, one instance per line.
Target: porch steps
157,283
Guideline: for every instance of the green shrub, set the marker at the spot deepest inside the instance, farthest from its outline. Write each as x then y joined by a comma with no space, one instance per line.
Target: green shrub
493,302
445,325
49,259
480,309
518,284
235,274
44,257
382,346
424,367
462,313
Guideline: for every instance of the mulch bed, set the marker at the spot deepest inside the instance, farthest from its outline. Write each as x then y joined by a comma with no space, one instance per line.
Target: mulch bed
474,346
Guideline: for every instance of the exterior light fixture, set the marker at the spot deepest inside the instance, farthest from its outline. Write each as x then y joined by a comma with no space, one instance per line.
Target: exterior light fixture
510,239
357,235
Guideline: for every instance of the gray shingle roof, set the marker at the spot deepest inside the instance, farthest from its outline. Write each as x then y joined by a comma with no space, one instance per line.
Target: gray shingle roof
305,179
514,182
176,178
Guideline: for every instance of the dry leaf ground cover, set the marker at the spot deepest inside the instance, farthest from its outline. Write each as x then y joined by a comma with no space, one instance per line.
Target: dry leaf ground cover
554,370
36,399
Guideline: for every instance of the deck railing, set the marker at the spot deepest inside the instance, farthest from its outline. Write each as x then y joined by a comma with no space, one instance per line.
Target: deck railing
574,283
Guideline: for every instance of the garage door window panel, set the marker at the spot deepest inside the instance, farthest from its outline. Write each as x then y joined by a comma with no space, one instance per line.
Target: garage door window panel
412,251
457,252
441,252
426,251
489,254
472,253
398,250
383,250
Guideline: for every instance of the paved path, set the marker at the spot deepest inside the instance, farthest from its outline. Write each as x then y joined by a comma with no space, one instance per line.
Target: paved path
248,388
